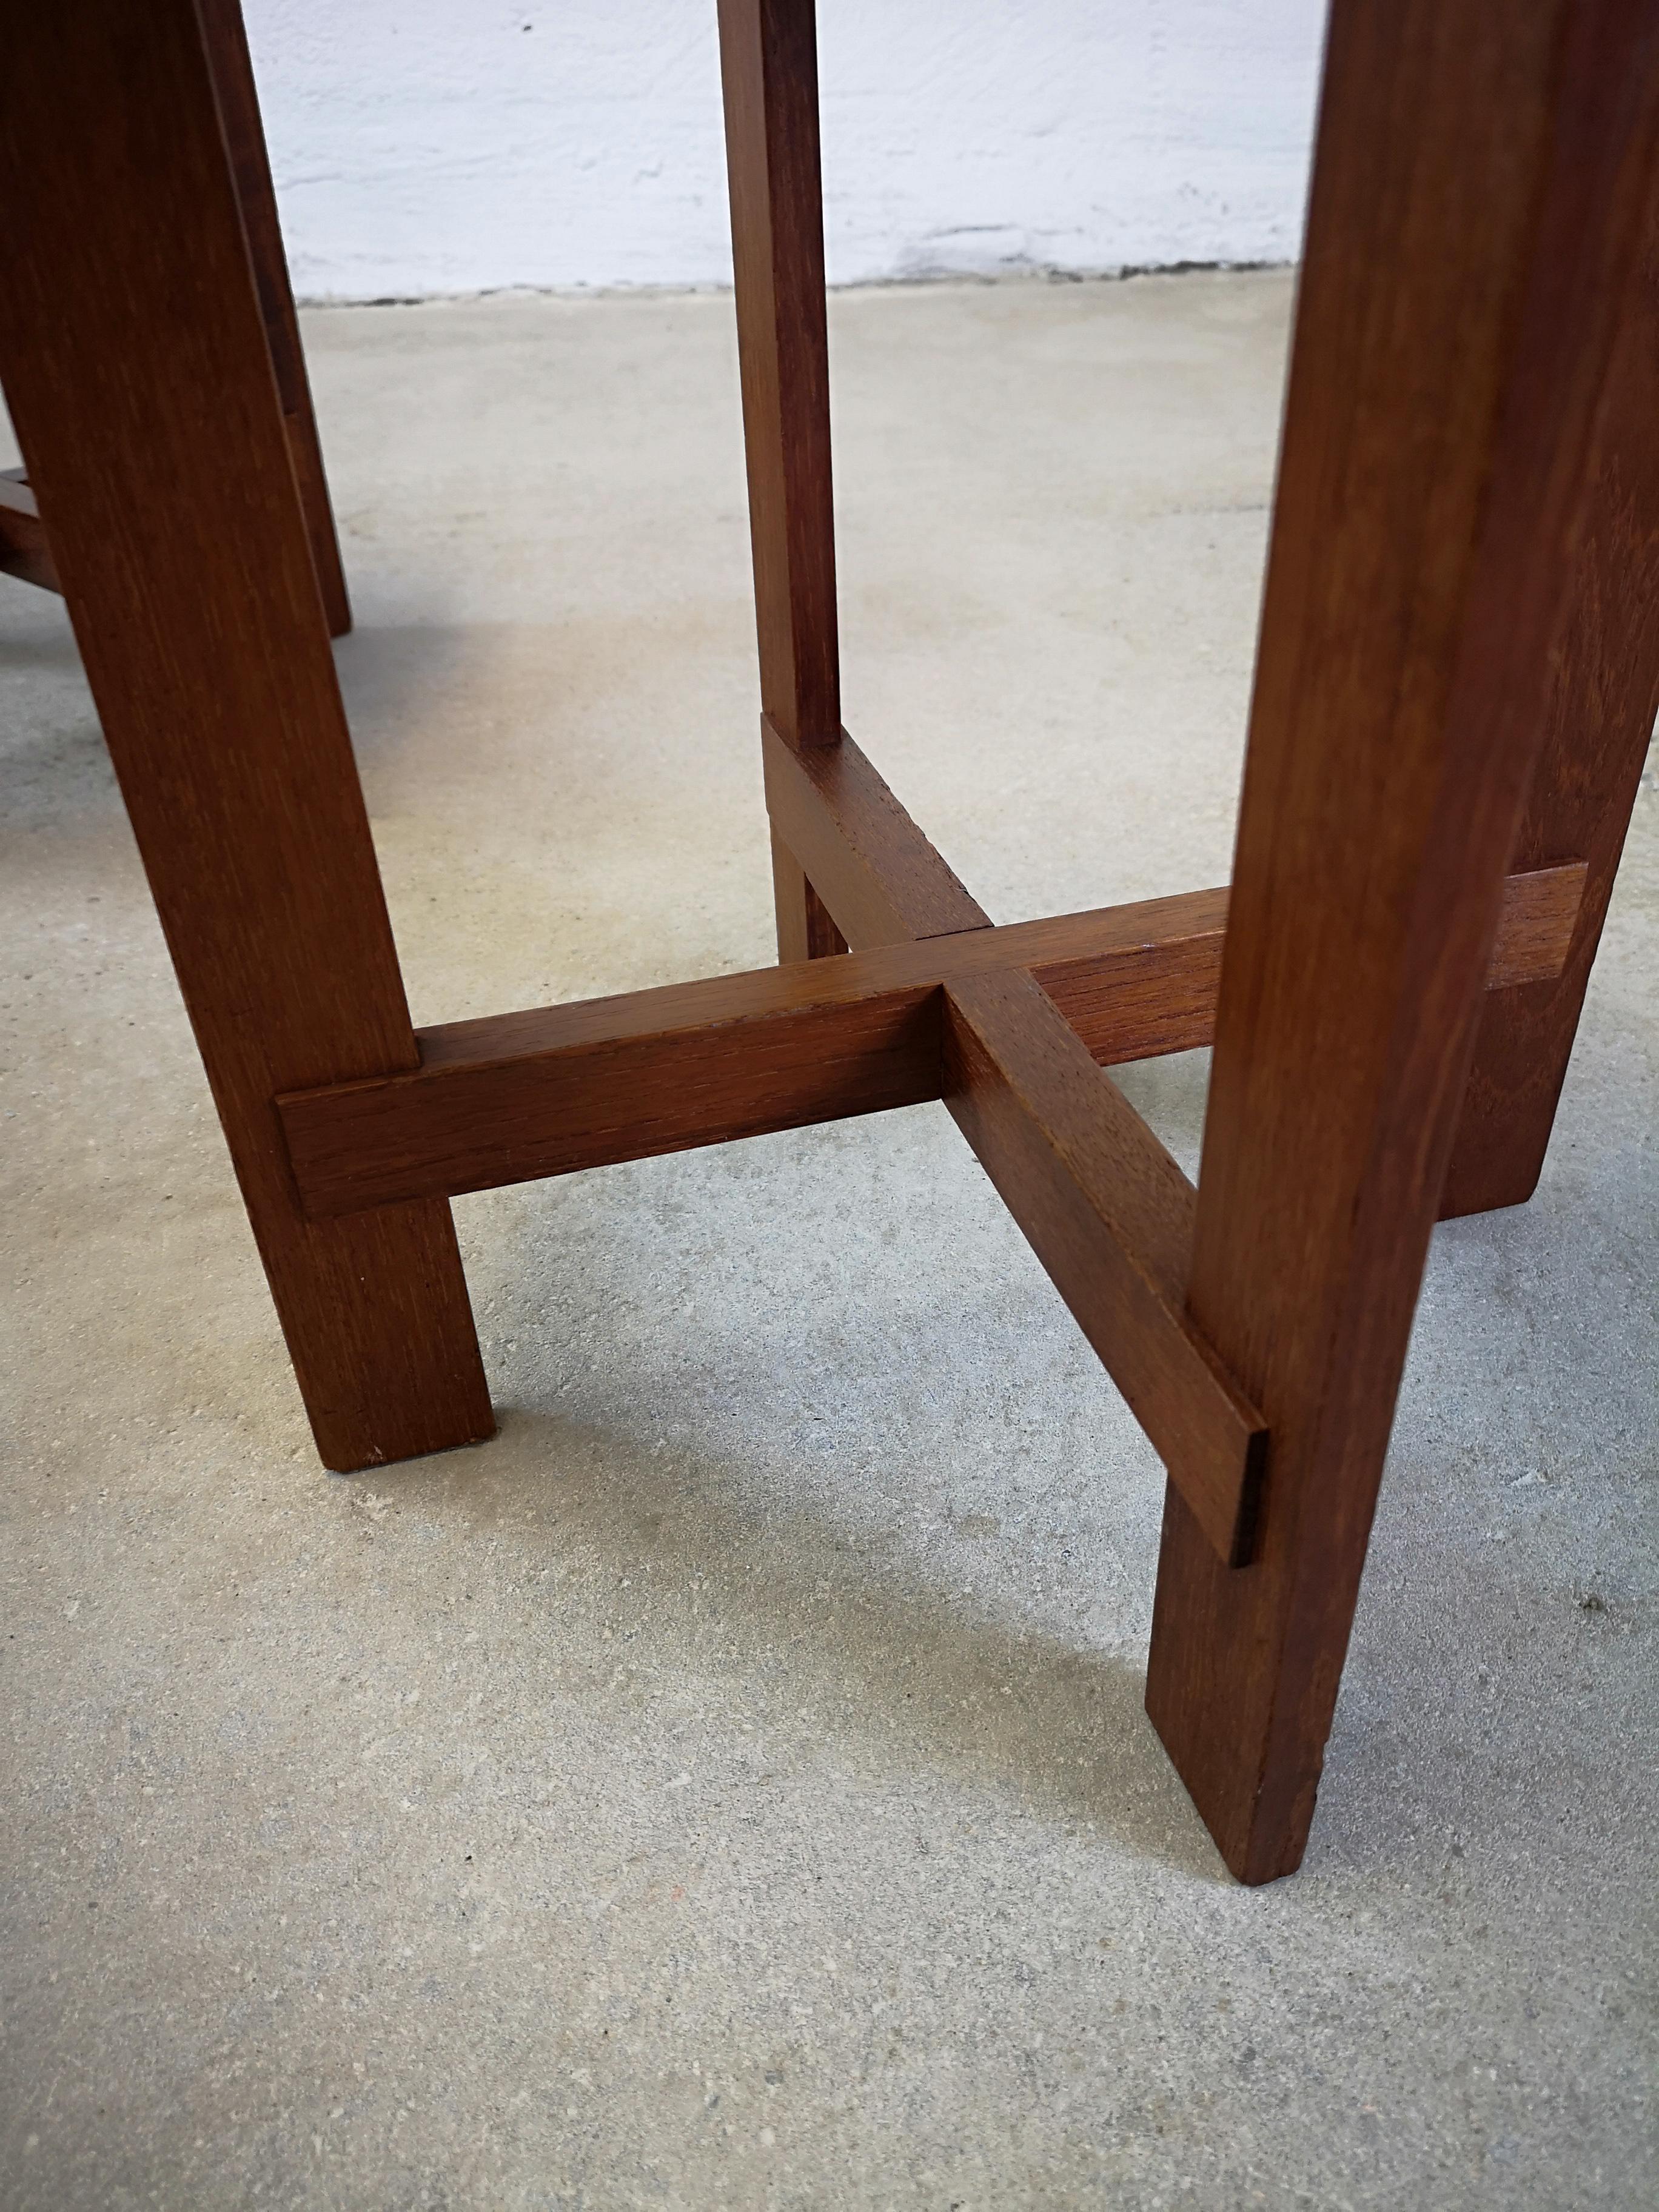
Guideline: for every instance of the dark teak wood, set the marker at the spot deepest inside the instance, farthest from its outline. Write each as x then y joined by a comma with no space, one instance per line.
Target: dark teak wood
1602,699
1463,571
24,552
877,875
156,441
232,70
23,548
1109,1214
770,71
514,1097
1479,184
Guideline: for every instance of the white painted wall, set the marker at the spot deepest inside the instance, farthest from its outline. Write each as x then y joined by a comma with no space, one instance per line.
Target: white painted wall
423,146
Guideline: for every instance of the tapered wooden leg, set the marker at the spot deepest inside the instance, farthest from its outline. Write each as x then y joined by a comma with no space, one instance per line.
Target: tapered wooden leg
135,360
1477,200
1600,714
769,61
239,109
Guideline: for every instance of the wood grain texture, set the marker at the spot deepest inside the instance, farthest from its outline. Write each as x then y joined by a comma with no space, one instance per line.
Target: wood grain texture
134,358
1158,995
1161,996
1539,914
768,67
24,552
882,882
558,1088
1110,1216
1599,717
514,1097
232,70
1479,186
876,873
585,1101
806,928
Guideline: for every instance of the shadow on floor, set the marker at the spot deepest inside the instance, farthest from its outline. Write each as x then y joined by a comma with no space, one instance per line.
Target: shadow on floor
900,1665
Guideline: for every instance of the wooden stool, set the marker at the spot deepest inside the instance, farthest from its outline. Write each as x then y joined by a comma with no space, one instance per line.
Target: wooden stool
24,550
1457,674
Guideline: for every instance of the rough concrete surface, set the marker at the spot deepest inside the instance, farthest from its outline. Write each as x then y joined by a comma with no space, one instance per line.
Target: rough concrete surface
730,1787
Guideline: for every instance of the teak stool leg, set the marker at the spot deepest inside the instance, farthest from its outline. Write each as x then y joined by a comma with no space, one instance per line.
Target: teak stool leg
1600,714
238,108
1477,200
137,369
769,62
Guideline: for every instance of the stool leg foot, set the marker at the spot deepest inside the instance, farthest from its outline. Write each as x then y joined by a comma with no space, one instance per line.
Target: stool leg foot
135,360
1600,720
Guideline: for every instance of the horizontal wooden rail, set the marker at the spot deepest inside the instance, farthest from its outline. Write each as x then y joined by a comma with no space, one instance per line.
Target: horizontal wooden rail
1007,1025
1110,1216
24,552
516,1097
867,861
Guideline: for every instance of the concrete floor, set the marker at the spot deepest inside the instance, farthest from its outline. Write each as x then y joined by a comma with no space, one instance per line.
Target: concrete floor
730,1787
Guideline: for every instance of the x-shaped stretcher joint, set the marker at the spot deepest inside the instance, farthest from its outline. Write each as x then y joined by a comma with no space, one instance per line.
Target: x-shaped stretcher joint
1014,1028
